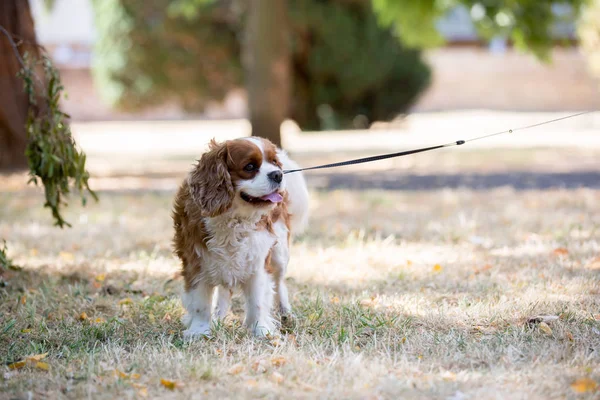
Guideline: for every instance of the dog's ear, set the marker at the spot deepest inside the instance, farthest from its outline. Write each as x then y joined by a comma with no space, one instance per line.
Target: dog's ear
210,183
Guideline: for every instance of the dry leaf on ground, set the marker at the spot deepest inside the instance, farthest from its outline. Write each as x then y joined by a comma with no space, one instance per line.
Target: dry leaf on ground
169,384
277,377
125,301
66,256
236,369
584,385
594,264
561,251
42,365
36,357
278,361
17,365
545,328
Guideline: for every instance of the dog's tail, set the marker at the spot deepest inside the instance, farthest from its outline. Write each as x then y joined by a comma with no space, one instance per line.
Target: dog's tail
298,194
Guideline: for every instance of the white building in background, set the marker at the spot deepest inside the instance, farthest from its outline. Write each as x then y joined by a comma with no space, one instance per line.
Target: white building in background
67,30
466,74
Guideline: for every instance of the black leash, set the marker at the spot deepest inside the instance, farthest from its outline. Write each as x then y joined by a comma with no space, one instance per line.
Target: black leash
408,152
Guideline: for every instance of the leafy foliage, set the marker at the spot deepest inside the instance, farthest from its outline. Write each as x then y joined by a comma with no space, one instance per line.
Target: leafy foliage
528,23
150,52
5,262
589,34
348,70
54,160
189,51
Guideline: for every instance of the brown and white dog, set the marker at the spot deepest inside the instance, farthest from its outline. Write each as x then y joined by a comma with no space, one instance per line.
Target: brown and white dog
234,216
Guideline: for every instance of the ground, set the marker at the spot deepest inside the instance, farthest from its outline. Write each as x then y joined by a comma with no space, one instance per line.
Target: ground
425,278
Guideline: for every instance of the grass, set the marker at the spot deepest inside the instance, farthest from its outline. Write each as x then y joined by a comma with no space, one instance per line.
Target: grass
420,294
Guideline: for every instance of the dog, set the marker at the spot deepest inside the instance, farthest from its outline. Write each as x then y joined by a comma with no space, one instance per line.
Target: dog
234,217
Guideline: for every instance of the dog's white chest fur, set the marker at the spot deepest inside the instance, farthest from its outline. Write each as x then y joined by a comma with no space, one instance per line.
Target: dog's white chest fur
234,251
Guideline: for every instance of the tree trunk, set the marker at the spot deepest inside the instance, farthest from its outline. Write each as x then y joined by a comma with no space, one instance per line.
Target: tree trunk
15,17
267,64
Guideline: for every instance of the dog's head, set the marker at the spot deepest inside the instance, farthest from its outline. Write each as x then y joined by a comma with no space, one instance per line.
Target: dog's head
243,173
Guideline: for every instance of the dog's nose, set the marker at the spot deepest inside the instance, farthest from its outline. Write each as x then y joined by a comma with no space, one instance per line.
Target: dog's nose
276,176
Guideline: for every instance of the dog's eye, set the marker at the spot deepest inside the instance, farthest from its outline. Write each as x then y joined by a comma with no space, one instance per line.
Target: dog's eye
249,167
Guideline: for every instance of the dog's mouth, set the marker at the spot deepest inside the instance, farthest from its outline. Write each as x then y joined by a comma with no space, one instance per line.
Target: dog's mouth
274,197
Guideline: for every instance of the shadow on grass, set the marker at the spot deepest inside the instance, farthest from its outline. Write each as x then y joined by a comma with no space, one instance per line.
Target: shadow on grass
394,180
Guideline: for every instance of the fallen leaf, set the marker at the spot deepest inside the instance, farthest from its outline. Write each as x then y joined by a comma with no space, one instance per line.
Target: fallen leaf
121,374
143,392
545,328
437,268
167,317
171,385
259,366
23,300
277,377
25,330
404,339
36,357
560,251
594,264
370,302
42,365
569,336
17,365
126,300
236,369
449,376
292,339
251,383
100,277
135,376
278,361
584,385
65,255
484,268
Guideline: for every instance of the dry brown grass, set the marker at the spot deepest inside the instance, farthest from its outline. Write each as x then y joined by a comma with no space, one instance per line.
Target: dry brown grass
418,294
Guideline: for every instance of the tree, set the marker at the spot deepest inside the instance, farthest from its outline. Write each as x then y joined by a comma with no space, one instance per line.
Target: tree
342,63
267,63
35,130
16,19
527,23
589,32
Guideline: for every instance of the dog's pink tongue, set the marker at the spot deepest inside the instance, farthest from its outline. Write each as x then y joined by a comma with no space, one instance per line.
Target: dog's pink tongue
273,197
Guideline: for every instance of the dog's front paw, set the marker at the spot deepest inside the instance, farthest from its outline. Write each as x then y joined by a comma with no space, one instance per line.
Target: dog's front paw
197,330
261,329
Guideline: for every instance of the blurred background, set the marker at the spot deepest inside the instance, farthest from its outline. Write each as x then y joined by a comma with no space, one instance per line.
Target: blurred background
343,76
145,60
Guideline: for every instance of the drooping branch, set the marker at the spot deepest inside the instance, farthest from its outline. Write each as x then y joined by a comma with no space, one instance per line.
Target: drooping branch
52,154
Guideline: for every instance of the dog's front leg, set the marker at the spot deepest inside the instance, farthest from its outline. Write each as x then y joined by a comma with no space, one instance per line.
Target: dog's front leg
222,302
259,302
197,301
